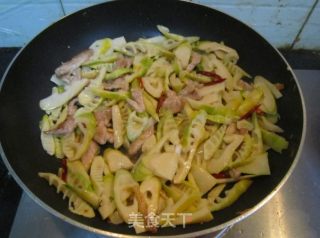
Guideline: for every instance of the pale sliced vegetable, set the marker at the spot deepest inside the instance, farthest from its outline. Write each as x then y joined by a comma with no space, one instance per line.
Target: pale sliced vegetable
163,165
212,144
276,142
76,204
183,54
57,100
258,166
203,179
116,160
218,164
79,181
136,125
232,195
107,205
150,189
47,140
96,174
118,127
124,195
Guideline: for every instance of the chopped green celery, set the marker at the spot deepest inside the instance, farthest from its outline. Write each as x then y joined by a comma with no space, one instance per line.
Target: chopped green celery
47,140
116,160
124,190
268,103
256,135
60,89
176,66
269,126
58,152
188,111
118,127
151,105
108,66
276,142
211,110
109,94
76,204
243,153
163,165
79,181
258,166
220,119
154,51
183,54
197,77
159,132
101,46
107,205
250,102
204,180
232,195
150,190
213,142
273,118
109,59
57,100
176,83
140,69
140,172
166,32
117,73
136,125
172,191
220,163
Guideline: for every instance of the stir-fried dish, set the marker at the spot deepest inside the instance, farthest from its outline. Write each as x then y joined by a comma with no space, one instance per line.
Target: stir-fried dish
164,125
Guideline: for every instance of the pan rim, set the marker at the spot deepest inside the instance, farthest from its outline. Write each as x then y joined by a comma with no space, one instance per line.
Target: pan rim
187,235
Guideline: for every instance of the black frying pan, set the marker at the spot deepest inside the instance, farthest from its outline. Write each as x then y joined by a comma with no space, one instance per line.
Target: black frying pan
27,81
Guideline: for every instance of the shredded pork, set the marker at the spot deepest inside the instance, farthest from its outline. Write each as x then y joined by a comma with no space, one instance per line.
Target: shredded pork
71,65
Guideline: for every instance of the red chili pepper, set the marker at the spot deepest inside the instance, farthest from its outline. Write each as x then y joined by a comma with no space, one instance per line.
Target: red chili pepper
216,78
259,111
256,109
221,175
161,101
64,169
140,82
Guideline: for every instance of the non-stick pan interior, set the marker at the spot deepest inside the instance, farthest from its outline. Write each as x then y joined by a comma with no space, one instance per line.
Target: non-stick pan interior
27,81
